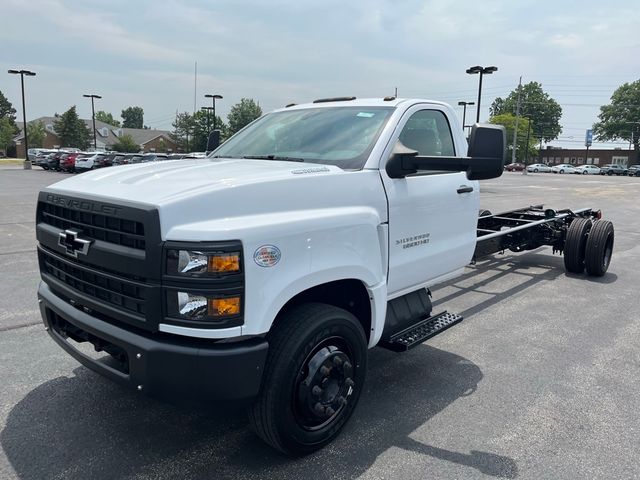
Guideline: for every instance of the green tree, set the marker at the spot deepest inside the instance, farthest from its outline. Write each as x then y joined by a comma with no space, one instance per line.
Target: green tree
508,121
242,114
132,117
36,133
7,111
182,131
107,118
620,120
537,106
71,130
6,133
126,144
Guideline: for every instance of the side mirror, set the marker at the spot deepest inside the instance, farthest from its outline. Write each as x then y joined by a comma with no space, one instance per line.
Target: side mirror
486,156
214,140
486,151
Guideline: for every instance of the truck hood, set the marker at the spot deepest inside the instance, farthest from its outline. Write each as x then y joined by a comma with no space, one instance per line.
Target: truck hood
220,196
161,183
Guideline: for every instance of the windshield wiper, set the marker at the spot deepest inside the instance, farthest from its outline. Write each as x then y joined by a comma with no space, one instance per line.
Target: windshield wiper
273,157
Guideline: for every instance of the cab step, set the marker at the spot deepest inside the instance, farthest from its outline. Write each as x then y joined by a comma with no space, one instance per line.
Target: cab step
423,330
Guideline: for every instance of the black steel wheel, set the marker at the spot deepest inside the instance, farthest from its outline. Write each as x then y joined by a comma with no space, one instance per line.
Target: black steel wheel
575,245
561,171
585,173
313,378
535,170
599,248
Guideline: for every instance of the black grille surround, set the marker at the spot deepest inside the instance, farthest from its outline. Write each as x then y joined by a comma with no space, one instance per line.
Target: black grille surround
119,231
122,278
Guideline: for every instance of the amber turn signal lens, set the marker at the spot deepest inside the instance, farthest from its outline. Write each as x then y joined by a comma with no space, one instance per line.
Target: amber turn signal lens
224,307
224,263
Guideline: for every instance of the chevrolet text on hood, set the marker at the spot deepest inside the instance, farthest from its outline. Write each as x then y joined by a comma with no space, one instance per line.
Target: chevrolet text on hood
265,271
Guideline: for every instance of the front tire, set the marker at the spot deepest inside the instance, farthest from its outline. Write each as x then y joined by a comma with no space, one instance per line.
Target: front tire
599,248
313,378
535,170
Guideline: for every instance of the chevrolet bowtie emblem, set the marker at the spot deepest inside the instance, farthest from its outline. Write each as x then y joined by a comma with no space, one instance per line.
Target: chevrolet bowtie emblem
74,245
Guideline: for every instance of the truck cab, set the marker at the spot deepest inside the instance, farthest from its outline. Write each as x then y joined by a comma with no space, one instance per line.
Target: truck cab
266,270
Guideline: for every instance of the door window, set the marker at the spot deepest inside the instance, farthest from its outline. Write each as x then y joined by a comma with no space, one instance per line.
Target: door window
428,132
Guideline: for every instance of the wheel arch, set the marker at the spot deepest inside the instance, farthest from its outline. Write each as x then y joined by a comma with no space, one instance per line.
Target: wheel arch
349,294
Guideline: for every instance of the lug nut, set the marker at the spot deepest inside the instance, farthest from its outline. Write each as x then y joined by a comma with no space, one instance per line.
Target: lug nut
349,382
329,411
337,361
319,408
342,401
348,366
325,371
316,391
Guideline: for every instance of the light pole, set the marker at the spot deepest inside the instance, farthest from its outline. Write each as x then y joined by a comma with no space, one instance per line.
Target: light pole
22,73
213,105
464,112
482,71
93,116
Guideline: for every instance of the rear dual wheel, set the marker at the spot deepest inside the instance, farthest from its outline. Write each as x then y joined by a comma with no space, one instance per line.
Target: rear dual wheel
599,248
589,245
575,245
313,378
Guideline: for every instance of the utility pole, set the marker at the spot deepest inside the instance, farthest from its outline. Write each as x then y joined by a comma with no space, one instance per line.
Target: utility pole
515,130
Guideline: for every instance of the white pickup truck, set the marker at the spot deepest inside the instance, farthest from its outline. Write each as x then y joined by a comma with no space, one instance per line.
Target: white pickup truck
267,270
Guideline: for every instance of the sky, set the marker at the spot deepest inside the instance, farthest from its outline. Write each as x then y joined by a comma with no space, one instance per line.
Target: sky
293,51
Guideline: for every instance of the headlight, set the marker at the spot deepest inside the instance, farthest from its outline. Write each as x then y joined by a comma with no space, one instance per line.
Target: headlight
190,262
198,307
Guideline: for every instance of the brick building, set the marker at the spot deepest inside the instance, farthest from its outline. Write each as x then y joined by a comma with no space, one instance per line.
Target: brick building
149,140
578,156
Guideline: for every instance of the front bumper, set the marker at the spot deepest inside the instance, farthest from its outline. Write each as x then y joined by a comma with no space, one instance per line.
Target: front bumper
158,365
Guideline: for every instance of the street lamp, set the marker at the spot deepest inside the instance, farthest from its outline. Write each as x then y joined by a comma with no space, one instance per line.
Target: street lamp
482,71
464,112
93,116
22,73
213,104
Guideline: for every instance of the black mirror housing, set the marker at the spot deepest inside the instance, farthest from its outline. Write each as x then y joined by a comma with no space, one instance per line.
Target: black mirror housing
487,151
214,140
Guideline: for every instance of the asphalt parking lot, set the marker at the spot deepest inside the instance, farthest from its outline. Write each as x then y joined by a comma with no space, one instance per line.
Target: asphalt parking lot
540,381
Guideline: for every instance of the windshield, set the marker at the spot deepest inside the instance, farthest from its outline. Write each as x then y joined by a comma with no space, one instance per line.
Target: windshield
342,136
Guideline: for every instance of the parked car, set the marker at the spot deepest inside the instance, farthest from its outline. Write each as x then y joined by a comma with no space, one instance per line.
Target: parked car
53,160
634,171
105,160
68,162
563,168
538,167
587,170
87,162
613,168
41,158
514,167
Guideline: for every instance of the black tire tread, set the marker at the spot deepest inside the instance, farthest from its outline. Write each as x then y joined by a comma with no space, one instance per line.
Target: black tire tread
596,245
292,326
574,245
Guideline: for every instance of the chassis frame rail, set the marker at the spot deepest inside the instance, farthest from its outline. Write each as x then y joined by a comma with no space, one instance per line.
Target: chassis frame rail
526,229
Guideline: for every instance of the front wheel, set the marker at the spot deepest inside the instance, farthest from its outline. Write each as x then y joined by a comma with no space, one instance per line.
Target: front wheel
535,170
313,378
561,171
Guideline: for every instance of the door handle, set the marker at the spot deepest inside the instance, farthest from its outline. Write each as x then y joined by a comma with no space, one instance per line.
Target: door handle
465,189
